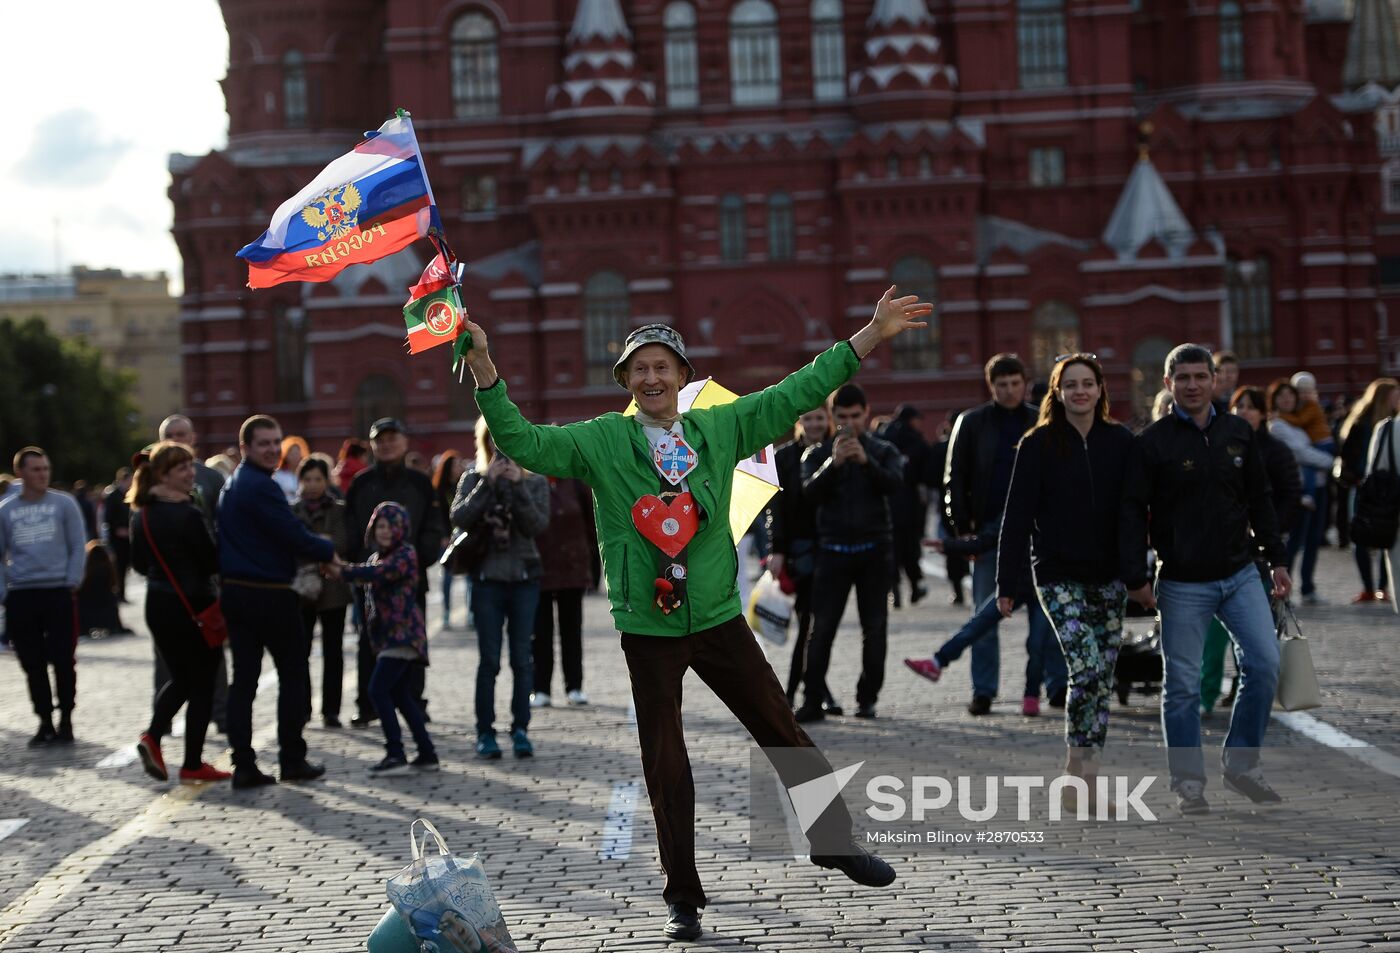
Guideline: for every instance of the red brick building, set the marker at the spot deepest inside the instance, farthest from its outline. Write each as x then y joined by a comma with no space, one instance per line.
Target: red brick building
1116,175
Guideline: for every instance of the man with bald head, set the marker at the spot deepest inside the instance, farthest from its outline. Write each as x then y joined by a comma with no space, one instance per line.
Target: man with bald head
208,482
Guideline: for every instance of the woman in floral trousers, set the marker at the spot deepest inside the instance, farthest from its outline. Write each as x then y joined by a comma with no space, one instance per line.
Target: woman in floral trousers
1066,491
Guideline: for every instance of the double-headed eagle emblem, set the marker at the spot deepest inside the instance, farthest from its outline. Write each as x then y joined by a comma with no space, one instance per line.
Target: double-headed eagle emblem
334,213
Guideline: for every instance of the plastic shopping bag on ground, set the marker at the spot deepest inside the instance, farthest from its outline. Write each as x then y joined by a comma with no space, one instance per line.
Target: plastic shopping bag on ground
447,901
770,609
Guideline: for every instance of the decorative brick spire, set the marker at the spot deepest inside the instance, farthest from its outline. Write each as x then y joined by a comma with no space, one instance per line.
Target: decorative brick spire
902,51
600,69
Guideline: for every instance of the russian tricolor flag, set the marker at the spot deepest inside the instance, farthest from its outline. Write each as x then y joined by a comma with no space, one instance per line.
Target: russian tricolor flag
369,203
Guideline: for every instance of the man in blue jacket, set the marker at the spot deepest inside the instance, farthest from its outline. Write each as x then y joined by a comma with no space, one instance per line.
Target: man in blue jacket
260,542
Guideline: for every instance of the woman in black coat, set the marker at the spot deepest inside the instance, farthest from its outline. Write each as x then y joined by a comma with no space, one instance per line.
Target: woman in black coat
172,548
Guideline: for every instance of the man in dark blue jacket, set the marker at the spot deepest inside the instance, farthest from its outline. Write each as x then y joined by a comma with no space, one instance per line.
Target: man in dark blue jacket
260,542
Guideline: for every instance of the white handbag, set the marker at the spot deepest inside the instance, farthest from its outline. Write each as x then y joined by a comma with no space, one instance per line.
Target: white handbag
1297,679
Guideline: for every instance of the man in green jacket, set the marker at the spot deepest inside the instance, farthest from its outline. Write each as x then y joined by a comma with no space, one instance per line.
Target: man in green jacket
661,482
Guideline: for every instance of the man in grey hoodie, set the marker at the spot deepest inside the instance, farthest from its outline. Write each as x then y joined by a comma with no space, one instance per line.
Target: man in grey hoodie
42,540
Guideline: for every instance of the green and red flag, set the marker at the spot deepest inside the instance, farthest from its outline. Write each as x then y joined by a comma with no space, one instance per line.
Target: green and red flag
433,313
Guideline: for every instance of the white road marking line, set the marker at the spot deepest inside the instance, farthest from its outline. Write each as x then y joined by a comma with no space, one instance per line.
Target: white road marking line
32,907
617,826
11,824
119,758
1323,733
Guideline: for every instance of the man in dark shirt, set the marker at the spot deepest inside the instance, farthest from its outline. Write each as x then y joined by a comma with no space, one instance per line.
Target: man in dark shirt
260,541
389,478
981,456
1198,480
849,479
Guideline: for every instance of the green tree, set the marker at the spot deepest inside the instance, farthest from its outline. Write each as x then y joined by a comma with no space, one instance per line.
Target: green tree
56,394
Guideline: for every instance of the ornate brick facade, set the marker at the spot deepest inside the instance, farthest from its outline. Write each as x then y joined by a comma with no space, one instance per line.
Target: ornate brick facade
1118,176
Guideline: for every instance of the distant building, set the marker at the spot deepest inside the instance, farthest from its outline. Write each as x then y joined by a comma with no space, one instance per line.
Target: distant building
1112,175
131,319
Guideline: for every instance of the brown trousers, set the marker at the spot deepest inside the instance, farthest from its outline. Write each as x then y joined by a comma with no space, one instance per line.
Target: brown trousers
728,659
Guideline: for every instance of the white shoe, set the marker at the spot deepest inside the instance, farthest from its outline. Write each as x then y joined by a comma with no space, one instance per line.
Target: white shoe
540,700
577,697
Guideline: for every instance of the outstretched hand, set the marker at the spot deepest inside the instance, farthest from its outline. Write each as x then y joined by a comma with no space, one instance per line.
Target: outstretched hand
893,316
478,356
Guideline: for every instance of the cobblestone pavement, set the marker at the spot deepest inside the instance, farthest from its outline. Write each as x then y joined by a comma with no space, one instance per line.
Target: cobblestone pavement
106,859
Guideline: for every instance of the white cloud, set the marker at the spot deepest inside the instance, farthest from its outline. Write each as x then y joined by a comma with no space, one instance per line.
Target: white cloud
103,92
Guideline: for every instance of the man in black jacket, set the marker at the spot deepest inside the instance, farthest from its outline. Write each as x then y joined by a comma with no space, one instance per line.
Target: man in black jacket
389,479
909,504
981,457
849,479
1198,479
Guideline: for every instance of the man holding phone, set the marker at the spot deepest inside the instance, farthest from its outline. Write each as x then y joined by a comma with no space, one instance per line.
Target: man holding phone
849,479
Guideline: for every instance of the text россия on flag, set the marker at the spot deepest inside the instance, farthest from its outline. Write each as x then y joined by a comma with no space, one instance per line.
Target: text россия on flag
369,203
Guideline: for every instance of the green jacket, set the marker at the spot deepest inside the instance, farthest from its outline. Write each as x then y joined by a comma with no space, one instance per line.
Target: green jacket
611,454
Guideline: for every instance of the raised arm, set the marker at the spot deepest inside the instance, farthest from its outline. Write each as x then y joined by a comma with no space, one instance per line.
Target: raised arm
767,415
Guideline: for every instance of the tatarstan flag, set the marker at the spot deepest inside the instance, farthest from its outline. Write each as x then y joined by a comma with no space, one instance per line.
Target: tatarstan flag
433,319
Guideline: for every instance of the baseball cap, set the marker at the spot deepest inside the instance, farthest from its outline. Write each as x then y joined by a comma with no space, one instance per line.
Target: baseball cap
385,424
651,334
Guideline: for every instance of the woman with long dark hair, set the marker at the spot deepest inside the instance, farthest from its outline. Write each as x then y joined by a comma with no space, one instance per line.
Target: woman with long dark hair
1065,497
1381,400
1314,465
445,479
172,548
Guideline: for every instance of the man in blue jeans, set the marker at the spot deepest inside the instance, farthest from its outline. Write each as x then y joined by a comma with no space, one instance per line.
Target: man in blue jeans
1197,480
981,456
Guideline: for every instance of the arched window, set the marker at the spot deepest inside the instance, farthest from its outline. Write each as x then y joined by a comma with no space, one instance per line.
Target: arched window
682,76
377,396
289,326
753,53
828,50
780,239
1231,42
917,350
293,90
733,240
1040,43
1149,367
606,313
1250,287
1054,331
476,67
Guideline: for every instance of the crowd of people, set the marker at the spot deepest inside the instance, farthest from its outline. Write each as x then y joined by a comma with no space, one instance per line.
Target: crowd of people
1049,505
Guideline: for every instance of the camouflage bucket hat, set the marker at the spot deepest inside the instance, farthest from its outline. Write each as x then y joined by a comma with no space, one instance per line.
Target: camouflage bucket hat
651,334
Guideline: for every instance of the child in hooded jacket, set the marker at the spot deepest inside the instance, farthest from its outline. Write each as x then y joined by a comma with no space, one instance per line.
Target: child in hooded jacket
397,635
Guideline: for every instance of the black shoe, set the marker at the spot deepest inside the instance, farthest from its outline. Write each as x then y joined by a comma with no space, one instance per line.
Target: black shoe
980,705
64,734
388,765
832,707
1057,700
1191,798
44,736
682,922
306,771
862,867
330,721
897,603
426,762
918,595
363,720
865,710
1252,786
807,713
251,777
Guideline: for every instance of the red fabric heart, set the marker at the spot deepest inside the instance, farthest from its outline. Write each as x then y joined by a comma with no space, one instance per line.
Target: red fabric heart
669,527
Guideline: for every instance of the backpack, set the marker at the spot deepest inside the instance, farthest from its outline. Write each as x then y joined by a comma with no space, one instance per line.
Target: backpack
1377,514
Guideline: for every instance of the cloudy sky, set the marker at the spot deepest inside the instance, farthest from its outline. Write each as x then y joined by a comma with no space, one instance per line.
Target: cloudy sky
99,94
